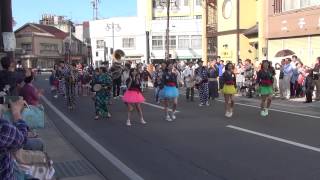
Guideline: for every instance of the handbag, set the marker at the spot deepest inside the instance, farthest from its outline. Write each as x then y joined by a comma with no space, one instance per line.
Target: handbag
35,164
32,115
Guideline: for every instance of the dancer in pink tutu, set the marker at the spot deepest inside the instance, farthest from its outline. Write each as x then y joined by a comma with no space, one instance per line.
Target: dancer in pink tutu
133,96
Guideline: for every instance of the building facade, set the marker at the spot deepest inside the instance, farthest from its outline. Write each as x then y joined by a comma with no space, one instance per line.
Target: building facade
185,29
237,33
43,46
126,33
294,25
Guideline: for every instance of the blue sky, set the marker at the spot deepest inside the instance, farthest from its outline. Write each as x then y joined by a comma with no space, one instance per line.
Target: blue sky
25,11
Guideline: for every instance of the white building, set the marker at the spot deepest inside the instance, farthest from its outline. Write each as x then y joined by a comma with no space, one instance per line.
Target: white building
185,29
126,33
185,39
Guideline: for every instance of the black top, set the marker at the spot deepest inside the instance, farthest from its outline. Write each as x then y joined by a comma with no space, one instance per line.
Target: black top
168,78
264,76
134,85
228,79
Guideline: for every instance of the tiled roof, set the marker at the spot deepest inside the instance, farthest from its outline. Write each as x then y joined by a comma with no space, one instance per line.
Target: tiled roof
52,30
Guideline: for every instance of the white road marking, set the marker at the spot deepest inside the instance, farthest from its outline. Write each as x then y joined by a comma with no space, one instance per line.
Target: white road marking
108,155
275,138
156,106
277,110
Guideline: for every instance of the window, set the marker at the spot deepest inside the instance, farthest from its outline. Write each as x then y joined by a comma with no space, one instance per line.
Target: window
26,46
45,47
198,17
186,3
97,54
100,44
183,42
157,42
288,5
128,43
172,42
198,2
196,42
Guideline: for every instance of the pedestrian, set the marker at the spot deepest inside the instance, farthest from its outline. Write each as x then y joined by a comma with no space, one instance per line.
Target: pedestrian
309,86
264,83
30,93
188,76
169,91
287,74
157,78
316,73
228,82
202,82
213,80
102,83
281,81
145,75
133,96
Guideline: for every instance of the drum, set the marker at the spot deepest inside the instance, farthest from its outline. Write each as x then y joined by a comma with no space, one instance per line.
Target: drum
97,87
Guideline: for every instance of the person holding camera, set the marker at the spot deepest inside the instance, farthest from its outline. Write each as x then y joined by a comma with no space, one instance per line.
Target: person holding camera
12,138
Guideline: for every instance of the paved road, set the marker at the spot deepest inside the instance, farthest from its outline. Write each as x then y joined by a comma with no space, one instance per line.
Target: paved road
200,145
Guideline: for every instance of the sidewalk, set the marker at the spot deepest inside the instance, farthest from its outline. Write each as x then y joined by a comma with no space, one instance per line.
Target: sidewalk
68,162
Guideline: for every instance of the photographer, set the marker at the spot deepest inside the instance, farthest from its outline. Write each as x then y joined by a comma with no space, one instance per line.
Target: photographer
12,137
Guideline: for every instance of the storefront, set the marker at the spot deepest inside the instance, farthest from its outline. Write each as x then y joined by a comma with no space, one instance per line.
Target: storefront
297,30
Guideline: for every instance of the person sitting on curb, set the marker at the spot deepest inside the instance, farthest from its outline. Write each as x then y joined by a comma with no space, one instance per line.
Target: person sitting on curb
12,137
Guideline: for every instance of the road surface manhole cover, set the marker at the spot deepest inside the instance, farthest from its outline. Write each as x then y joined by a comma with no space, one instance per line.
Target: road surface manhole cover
73,169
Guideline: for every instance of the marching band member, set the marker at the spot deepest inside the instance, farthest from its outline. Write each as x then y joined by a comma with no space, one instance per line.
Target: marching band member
228,86
213,80
169,91
133,96
102,83
202,81
264,85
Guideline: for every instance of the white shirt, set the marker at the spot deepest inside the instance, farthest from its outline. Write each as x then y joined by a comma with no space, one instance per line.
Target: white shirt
188,72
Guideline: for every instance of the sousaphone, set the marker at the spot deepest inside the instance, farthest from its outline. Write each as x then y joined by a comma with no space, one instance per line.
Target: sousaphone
118,54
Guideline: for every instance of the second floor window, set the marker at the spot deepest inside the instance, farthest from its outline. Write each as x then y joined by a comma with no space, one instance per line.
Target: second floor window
26,46
288,5
157,43
128,43
100,44
183,42
198,2
45,47
196,42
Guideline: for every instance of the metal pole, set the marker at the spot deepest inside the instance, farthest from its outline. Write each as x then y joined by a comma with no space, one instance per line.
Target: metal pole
167,31
113,36
70,41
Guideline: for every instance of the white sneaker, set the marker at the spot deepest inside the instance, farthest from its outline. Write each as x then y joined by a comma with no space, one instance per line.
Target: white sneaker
266,110
263,113
168,118
128,123
228,114
208,104
143,122
173,116
55,96
201,104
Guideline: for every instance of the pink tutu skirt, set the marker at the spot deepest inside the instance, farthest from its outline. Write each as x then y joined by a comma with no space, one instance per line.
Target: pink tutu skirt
133,97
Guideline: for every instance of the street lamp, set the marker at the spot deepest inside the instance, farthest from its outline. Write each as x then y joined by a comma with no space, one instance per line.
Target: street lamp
112,26
167,4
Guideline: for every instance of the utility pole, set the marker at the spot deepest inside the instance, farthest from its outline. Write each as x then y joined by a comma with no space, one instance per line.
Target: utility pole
167,53
6,24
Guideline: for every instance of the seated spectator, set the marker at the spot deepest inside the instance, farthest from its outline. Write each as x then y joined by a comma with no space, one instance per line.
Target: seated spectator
12,138
30,93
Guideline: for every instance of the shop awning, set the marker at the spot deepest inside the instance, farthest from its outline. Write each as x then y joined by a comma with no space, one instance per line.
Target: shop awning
252,32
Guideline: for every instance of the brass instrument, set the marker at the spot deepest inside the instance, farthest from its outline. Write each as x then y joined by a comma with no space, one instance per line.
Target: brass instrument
118,54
